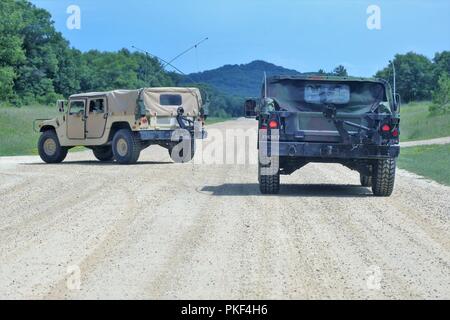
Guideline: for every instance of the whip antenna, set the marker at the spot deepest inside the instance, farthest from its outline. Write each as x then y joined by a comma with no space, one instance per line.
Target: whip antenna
186,51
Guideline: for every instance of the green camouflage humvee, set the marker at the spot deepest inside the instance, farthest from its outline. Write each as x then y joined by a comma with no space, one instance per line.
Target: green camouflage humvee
347,120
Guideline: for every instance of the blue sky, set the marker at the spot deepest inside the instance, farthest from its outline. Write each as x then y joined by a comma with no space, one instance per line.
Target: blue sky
303,35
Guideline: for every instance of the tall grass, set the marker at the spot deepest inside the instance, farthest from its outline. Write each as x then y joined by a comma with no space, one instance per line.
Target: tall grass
16,128
428,161
418,124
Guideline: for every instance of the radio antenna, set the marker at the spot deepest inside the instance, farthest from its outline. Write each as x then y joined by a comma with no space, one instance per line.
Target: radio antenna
186,51
393,77
169,63
265,85
160,59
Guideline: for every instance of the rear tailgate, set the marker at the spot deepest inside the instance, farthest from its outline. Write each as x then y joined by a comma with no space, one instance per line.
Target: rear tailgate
314,127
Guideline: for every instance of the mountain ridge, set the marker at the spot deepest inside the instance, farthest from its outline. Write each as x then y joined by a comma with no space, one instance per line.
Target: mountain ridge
239,79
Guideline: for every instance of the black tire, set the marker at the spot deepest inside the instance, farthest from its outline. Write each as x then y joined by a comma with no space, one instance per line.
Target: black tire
181,157
366,181
103,153
383,178
49,148
269,184
126,147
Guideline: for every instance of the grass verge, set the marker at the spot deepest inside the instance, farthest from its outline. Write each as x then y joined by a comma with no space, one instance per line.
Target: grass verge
212,120
16,129
418,124
429,161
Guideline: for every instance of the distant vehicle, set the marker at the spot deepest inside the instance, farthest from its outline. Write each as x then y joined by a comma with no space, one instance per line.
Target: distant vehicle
119,124
346,120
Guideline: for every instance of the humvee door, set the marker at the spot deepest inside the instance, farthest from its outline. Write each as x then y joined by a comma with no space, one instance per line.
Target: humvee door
76,119
96,117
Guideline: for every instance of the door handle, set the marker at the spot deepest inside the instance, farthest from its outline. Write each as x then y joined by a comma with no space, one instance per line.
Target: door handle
105,116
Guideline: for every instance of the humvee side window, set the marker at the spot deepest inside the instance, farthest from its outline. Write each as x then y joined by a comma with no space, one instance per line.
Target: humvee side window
170,100
97,106
76,107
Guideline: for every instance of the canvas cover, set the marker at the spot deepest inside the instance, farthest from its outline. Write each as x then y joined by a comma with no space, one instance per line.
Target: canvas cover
125,100
191,101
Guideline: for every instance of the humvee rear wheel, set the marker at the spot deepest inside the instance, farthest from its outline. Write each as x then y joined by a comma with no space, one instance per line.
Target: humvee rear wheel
269,178
126,147
366,181
178,155
104,153
49,148
383,177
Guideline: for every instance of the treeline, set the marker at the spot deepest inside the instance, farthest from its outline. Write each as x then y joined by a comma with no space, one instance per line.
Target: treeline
418,77
38,66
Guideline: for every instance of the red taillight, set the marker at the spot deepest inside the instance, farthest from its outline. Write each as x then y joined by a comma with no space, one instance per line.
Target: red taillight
385,128
273,124
395,132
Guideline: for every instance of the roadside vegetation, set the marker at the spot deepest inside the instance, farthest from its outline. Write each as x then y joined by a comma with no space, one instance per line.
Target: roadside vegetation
16,128
418,123
428,161
38,65
212,120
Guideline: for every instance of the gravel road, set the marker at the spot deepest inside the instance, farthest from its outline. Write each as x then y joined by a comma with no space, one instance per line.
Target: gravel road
158,230
443,140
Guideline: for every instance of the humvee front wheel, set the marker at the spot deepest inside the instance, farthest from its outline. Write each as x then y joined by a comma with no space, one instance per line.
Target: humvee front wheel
49,148
366,181
383,177
103,153
126,147
269,178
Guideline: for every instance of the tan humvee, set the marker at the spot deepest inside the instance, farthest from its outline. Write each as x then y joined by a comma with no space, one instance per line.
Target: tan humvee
118,124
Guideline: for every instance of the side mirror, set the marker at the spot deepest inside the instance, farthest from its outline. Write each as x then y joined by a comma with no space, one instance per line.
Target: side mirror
204,110
60,105
250,108
398,102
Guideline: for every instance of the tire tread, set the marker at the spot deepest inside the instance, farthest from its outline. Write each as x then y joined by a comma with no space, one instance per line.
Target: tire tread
383,179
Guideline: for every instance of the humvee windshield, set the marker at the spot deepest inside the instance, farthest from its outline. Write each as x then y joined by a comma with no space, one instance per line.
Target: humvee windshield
304,95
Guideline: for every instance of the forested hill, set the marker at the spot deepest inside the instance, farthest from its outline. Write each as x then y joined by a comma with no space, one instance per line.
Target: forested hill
240,79
38,66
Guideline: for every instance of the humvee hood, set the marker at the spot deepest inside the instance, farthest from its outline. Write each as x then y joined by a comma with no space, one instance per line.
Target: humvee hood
126,100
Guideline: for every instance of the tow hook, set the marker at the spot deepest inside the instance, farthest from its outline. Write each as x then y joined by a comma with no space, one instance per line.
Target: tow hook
326,151
292,151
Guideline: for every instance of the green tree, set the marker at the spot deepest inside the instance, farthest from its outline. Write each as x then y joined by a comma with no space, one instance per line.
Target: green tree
414,76
341,71
441,64
11,53
441,96
44,48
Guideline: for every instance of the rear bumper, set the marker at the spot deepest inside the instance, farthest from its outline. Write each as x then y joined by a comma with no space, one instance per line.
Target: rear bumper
166,135
341,151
